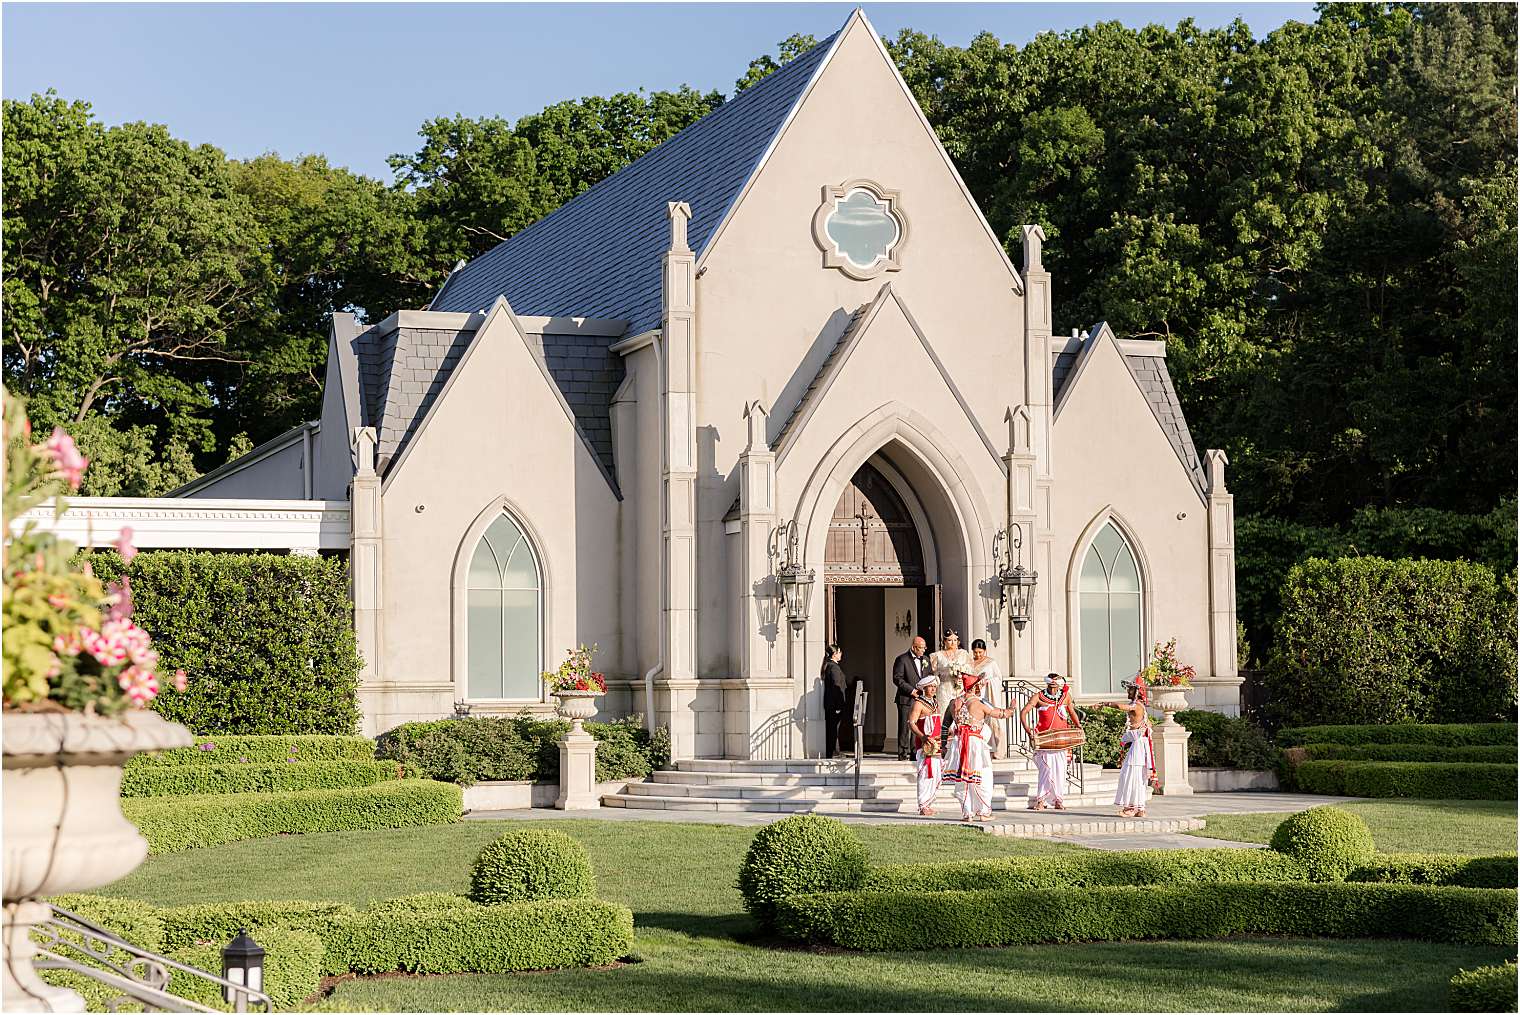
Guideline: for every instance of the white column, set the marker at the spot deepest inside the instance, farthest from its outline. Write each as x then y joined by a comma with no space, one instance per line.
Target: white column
366,570
761,648
1040,552
1023,471
1221,570
679,482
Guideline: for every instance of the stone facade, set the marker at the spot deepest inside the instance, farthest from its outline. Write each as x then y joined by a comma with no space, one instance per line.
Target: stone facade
647,426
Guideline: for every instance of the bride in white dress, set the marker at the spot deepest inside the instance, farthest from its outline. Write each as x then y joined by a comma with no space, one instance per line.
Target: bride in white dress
986,667
948,664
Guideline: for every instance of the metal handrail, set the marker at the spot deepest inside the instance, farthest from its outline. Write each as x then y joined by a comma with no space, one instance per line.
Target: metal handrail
135,971
1016,694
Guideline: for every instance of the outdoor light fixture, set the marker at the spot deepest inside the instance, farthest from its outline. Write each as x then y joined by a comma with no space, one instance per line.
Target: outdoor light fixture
1018,584
795,580
461,709
243,964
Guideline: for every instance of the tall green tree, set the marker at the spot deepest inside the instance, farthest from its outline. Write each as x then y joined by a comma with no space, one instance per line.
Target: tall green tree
764,65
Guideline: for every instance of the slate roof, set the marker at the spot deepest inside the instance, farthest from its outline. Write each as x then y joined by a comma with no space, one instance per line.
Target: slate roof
598,255
402,371
1155,383
823,369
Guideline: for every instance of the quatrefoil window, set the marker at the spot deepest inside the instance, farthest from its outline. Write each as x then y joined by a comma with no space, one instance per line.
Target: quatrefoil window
861,229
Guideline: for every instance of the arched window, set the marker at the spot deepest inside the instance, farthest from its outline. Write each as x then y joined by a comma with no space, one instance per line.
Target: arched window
504,597
1111,604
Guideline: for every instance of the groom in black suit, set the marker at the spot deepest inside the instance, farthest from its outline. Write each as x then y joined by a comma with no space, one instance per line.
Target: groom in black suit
907,670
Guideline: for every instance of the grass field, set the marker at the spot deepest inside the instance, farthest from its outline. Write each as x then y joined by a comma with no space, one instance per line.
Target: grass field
696,949
1471,827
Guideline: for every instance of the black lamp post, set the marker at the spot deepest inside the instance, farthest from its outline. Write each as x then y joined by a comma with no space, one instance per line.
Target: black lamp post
243,964
795,580
1017,584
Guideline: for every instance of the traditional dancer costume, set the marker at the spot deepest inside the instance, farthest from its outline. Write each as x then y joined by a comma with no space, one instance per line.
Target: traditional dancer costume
968,762
929,769
1137,762
991,676
1050,714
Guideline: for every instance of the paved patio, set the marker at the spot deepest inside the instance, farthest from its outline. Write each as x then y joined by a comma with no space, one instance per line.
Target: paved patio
1159,834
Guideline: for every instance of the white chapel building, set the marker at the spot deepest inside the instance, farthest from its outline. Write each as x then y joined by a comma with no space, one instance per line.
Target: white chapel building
791,312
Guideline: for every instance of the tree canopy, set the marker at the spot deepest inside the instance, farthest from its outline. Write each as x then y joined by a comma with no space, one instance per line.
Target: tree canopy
1319,223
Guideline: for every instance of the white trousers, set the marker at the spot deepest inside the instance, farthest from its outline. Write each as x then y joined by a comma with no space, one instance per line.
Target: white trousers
930,772
1051,767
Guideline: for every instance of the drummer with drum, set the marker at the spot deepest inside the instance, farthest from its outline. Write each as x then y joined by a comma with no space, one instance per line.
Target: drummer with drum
1055,731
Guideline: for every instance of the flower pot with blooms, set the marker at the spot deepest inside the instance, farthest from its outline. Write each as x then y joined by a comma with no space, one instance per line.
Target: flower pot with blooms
1168,679
576,686
77,677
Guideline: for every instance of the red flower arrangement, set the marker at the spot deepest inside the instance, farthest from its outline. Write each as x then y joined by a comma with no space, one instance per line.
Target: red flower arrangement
576,674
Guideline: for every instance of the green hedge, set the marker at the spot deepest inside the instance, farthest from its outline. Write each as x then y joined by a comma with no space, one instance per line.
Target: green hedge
1087,870
1382,641
267,639
519,748
175,824
919,921
1222,741
530,864
242,750
1431,780
188,780
1467,734
1495,755
802,853
1440,869
1104,728
292,969
1487,988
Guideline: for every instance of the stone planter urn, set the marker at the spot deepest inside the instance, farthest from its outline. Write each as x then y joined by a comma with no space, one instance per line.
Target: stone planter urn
1170,739
1169,700
577,706
64,830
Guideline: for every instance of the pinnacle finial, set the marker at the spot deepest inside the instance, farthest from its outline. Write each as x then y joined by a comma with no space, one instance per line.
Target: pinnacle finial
680,214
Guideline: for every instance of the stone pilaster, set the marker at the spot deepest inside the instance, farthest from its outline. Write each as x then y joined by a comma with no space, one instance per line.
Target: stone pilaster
757,517
679,475
1022,467
1221,569
366,561
1038,398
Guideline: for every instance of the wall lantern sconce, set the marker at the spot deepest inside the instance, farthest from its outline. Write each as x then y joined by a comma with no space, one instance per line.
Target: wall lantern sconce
243,964
795,580
1018,584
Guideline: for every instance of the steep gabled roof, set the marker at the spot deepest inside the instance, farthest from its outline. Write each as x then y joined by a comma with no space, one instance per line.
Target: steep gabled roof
598,255
1148,368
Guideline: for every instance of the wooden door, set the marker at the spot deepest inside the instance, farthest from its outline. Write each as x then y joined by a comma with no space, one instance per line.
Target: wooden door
872,539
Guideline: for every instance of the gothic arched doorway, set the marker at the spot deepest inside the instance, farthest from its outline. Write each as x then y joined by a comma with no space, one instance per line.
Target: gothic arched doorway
878,591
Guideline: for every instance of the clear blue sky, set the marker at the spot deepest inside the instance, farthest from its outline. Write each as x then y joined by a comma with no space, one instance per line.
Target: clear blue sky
354,81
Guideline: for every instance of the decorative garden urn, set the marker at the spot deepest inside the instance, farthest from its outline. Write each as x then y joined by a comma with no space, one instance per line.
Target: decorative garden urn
64,830
577,706
1169,700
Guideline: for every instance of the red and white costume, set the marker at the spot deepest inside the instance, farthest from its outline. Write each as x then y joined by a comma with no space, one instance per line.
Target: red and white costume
968,763
1137,762
1050,714
929,771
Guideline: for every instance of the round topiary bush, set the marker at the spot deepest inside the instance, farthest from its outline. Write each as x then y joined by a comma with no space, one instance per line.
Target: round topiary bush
531,864
803,853
1328,841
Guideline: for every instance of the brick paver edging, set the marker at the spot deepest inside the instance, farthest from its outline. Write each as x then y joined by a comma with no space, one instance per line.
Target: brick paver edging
1115,826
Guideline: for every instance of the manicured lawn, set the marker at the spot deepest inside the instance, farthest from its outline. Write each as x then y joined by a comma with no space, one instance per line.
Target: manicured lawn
1471,827
697,950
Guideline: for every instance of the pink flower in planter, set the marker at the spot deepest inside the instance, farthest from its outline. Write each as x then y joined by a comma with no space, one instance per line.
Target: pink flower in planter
58,601
124,544
65,456
181,681
68,646
141,685
120,598
206,747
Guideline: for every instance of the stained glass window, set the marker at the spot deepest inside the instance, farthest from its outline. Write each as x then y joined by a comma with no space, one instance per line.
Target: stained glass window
504,606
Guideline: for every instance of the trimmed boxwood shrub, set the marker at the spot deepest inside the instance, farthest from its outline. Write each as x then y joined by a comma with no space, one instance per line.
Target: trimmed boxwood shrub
241,750
1434,780
1086,870
530,864
292,969
1364,639
1222,741
1328,841
802,853
1478,754
917,921
428,933
175,824
1440,869
188,780
1487,988
1451,734
1104,728
267,639
519,748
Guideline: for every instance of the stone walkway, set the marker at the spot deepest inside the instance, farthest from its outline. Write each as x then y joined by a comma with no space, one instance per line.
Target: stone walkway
1166,817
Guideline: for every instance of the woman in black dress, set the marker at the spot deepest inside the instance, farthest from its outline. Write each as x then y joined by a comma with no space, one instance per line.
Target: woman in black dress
837,732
